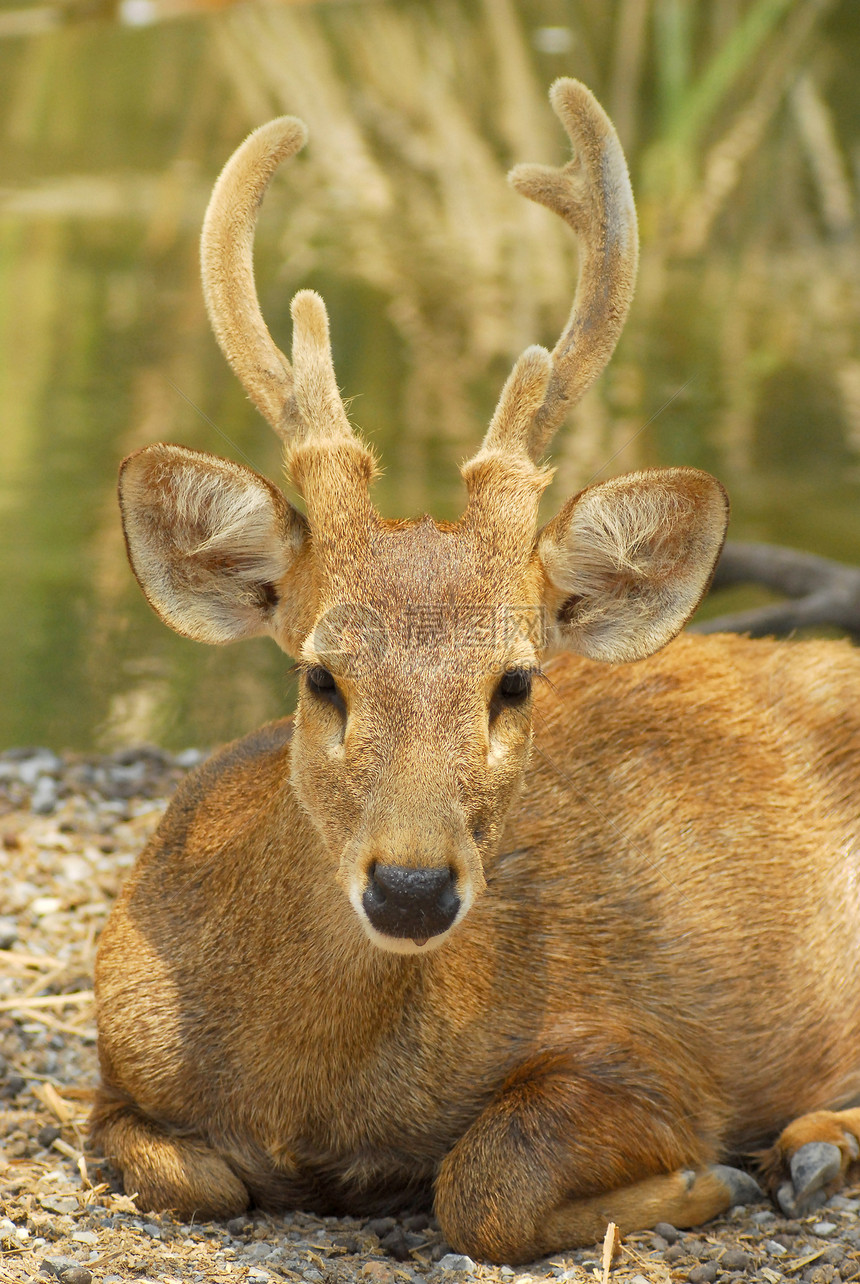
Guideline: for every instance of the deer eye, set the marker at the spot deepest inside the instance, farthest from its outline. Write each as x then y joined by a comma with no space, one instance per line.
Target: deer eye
320,680
515,686
322,684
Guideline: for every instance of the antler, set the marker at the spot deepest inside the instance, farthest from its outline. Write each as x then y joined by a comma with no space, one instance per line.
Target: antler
592,194
300,403
325,459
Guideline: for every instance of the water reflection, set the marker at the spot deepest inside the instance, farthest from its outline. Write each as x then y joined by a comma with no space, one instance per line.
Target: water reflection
740,356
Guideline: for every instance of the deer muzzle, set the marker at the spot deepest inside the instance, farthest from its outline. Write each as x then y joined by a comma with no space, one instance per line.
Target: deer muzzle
410,903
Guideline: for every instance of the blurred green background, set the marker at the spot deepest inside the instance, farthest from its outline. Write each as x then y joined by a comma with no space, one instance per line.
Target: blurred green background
741,119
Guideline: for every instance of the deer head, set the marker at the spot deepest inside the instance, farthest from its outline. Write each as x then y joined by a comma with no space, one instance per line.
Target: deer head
419,642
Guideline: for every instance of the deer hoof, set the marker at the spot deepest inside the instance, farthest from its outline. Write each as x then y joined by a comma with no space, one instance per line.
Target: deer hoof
791,1206
812,1167
742,1188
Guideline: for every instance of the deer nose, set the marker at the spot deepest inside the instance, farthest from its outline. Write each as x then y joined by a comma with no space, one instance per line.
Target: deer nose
411,903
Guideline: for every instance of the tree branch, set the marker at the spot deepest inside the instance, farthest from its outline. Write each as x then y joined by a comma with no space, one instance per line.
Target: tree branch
820,591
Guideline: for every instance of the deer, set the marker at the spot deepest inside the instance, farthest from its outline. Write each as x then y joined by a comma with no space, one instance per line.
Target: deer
539,912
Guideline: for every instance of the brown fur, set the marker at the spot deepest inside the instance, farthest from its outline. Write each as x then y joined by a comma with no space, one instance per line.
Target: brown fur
652,961
633,993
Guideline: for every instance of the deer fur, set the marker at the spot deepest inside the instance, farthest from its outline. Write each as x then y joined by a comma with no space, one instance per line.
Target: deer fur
532,912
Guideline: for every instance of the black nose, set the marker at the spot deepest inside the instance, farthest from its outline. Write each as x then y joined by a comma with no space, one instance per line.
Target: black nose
411,903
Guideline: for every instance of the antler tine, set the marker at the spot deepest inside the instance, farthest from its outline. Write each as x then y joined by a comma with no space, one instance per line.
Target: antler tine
592,194
320,408
227,269
324,458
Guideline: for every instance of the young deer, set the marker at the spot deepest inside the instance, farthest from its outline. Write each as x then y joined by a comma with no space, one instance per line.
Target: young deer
542,941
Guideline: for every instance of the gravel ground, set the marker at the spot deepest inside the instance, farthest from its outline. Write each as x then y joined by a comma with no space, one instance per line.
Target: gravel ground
69,829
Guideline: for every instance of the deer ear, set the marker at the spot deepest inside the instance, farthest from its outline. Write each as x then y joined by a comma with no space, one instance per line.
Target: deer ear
217,550
628,561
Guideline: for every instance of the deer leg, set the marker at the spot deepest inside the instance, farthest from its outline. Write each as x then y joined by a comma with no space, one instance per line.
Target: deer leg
166,1170
810,1158
686,1197
554,1159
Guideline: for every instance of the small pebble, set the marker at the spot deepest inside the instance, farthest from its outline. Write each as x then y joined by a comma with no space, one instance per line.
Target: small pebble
86,1237
36,764
667,1230
705,1274
734,1259
820,1274
152,1230
44,905
56,1265
44,797
380,1226
257,1251
773,1248
47,1136
839,1202
394,1243
76,1275
456,1262
416,1222
824,1228
60,1204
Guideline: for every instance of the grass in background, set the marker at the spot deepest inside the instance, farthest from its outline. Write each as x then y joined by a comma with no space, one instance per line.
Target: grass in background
739,117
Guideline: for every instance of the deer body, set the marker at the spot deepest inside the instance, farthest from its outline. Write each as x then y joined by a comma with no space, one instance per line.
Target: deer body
543,953
655,958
